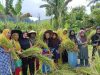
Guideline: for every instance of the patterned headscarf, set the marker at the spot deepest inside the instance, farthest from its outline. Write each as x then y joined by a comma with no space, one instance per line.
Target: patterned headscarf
82,38
81,32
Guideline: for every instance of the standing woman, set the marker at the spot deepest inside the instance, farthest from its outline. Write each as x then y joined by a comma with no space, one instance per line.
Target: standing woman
55,43
72,36
26,61
83,49
45,52
17,48
6,67
64,53
32,38
96,42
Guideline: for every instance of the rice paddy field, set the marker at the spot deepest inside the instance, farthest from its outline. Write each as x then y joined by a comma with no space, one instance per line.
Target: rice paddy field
65,69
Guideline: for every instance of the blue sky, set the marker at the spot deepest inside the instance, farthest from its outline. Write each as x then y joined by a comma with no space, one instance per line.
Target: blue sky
32,6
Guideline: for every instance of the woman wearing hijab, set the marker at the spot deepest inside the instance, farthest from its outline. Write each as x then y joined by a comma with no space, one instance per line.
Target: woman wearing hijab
72,36
64,53
6,67
83,49
15,41
26,61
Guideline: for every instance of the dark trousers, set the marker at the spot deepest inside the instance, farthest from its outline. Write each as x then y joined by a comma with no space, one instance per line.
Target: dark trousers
84,62
94,51
64,57
28,62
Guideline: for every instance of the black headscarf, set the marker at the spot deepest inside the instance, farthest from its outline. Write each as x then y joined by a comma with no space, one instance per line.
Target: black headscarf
19,32
72,37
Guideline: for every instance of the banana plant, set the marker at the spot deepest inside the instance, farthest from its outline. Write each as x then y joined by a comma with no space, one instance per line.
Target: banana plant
56,8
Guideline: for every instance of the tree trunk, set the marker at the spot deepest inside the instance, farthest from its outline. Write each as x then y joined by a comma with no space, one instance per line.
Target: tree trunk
7,6
56,24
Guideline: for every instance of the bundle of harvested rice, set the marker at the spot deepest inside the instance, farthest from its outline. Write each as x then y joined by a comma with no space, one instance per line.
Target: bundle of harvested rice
69,45
14,55
5,43
37,52
46,60
61,35
8,45
31,51
41,44
91,34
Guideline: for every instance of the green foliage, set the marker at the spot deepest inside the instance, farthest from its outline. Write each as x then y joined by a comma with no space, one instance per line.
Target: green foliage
79,12
76,17
5,43
91,34
9,3
97,65
2,9
96,15
58,9
44,25
95,6
18,6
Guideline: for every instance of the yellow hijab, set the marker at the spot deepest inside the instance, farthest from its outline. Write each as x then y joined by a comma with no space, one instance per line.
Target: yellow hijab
4,36
5,32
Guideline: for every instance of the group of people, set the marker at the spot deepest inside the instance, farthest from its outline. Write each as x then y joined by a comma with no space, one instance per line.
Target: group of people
24,40
20,41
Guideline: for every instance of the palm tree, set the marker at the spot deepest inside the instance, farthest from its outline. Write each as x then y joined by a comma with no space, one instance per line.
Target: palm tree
57,8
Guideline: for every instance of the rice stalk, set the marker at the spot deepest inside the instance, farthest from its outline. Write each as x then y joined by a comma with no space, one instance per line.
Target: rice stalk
47,60
31,51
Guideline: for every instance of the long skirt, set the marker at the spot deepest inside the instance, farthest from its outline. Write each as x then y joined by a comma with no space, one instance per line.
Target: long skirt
83,53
